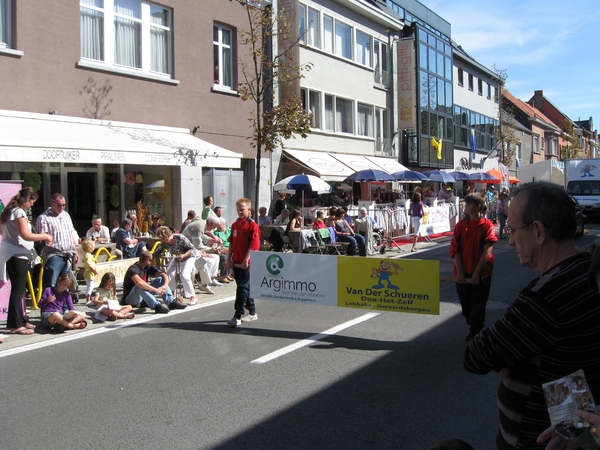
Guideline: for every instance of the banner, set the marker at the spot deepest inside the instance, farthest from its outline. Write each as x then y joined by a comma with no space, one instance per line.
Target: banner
407,86
380,284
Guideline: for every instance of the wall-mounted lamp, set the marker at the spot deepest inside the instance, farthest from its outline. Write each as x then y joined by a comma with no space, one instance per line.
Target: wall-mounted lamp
52,111
196,128
139,179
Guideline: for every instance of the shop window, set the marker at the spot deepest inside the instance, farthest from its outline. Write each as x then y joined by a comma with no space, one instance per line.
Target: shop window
127,33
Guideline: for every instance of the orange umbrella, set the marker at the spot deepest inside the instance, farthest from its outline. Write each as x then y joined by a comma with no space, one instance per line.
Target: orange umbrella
513,180
495,173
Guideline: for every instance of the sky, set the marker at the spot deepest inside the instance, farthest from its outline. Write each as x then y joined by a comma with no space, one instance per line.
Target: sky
548,45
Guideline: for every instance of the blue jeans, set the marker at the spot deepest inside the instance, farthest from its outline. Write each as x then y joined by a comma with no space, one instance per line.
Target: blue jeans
138,294
242,293
53,268
502,220
353,240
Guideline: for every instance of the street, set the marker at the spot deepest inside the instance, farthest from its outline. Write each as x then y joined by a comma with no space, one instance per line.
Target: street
188,381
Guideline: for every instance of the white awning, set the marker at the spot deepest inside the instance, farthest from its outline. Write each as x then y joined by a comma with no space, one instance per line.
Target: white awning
390,165
328,168
355,162
30,137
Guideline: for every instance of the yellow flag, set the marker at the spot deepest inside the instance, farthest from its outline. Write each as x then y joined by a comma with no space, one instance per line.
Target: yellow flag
437,145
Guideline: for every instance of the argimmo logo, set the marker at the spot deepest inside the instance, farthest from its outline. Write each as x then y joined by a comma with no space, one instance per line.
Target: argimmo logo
274,264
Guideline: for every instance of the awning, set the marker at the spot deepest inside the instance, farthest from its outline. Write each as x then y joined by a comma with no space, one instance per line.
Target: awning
30,137
390,165
327,167
355,162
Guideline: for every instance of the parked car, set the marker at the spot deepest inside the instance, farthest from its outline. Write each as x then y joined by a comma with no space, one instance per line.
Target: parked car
579,216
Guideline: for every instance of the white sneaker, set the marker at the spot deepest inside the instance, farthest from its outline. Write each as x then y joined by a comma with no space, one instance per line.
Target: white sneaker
234,322
205,288
250,318
215,283
90,303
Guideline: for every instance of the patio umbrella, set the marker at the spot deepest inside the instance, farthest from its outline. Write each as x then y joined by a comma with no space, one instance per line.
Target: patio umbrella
459,176
409,176
370,175
439,176
302,183
483,177
513,180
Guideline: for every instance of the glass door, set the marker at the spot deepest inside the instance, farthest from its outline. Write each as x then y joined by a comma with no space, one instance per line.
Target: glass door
82,198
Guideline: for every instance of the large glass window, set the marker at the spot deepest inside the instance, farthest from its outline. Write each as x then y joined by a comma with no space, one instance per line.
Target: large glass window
311,101
329,113
223,57
343,40
380,61
328,34
363,48
309,25
130,33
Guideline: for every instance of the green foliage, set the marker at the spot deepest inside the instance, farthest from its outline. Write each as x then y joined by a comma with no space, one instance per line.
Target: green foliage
570,150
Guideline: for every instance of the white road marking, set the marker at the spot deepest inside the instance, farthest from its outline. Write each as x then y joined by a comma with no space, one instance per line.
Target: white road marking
312,339
106,329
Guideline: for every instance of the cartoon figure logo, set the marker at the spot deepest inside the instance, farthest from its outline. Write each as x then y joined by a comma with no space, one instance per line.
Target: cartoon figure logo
585,170
274,264
383,272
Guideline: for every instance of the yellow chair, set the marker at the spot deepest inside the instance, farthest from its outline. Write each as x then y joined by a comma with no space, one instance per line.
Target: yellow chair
101,250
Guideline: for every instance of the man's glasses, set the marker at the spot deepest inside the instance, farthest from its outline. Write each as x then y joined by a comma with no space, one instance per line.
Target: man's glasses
511,230
61,205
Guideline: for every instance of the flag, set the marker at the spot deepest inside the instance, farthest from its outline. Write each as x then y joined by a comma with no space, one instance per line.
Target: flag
437,145
473,143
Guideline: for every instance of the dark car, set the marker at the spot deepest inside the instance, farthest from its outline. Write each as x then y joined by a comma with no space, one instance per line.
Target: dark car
580,216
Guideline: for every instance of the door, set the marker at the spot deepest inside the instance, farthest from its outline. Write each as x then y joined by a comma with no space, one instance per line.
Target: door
82,198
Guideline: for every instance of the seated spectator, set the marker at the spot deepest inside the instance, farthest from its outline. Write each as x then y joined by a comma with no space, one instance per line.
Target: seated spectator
126,243
98,232
156,224
348,218
101,297
183,259
263,219
207,264
295,224
330,221
56,305
319,221
223,232
283,218
219,213
135,230
216,245
208,211
136,288
191,216
115,228
443,195
346,234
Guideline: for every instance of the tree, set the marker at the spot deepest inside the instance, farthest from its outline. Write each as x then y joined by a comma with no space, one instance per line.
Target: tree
570,150
506,132
266,72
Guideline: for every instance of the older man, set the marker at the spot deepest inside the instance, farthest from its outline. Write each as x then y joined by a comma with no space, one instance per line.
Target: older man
137,289
552,328
98,232
126,243
61,254
207,265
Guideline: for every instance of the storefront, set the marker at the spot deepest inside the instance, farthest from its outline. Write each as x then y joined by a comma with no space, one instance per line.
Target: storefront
105,167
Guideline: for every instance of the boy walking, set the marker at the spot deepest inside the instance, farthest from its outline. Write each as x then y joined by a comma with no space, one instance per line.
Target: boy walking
471,249
245,236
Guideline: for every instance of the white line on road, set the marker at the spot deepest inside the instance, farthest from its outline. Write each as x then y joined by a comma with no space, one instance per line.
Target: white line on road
106,329
312,339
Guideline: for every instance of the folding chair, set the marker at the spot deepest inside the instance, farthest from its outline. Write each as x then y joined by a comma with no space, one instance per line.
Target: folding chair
341,248
323,238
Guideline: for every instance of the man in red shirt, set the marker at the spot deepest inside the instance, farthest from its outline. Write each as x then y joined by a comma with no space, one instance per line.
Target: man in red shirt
471,249
245,236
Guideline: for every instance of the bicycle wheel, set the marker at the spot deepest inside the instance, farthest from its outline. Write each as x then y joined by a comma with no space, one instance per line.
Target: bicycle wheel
376,242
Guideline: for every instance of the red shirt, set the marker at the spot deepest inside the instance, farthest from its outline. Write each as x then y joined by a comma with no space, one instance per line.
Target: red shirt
245,234
469,239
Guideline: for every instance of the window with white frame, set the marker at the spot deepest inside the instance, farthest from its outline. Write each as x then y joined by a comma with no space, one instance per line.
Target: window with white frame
552,147
364,120
344,115
460,77
519,151
328,33
128,33
343,40
223,56
309,25
382,132
380,62
536,143
5,24
311,100
489,91
363,48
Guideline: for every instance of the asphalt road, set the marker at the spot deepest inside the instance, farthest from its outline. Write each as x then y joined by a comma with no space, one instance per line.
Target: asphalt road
188,381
